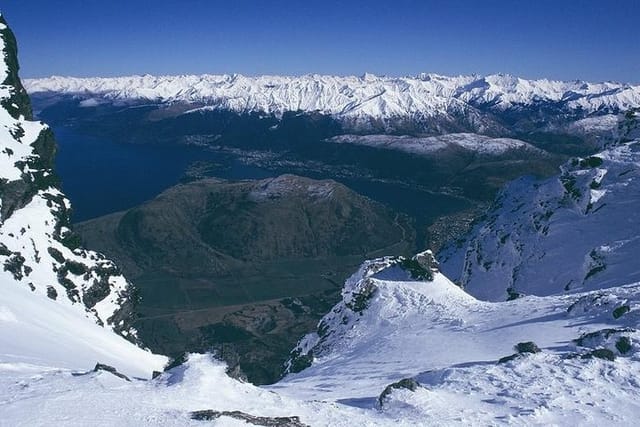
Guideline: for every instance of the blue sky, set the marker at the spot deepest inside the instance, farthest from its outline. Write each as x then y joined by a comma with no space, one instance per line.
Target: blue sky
562,39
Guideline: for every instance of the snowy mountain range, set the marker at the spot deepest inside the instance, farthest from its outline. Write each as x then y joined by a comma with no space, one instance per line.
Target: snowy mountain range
369,95
404,346
427,103
479,144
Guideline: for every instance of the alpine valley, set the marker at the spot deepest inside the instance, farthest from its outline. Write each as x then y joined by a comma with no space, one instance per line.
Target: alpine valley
263,250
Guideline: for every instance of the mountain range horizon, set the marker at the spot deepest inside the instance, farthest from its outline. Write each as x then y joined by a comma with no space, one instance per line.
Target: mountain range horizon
317,250
363,76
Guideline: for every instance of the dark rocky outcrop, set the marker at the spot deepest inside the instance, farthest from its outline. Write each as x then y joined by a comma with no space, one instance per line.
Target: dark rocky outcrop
209,415
16,194
360,300
111,370
600,353
407,384
527,347
620,311
522,349
601,335
605,343
19,103
103,367
421,266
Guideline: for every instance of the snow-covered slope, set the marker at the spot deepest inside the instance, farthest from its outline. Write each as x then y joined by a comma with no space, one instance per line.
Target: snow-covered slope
443,342
37,333
59,303
433,144
389,327
577,231
57,397
367,97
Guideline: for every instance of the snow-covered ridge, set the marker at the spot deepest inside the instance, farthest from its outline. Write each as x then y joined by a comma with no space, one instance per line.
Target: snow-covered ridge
368,96
428,145
38,251
390,327
576,231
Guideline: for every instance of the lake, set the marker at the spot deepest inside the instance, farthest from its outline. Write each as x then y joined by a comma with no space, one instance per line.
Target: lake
103,175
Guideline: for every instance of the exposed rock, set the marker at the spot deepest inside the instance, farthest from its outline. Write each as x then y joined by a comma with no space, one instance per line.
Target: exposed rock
110,369
509,358
360,299
105,368
98,291
56,255
587,340
619,311
623,345
177,361
209,415
527,347
15,265
600,353
421,266
407,384
299,361
522,349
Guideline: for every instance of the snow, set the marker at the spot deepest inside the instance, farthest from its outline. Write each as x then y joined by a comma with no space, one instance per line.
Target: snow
7,315
431,331
388,326
541,390
15,147
30,231
411,327
590,125
55,397
345,97
546,237
274,188
38,331
45,315
91,102
428,145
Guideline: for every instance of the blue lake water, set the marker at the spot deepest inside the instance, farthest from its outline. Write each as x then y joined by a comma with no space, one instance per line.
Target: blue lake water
102,176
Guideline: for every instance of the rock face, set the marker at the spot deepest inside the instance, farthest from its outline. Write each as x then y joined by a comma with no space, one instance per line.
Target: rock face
38,249
209,415
407,384
244,268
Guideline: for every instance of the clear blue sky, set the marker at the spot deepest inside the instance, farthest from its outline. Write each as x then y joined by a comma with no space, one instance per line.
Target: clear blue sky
563,39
